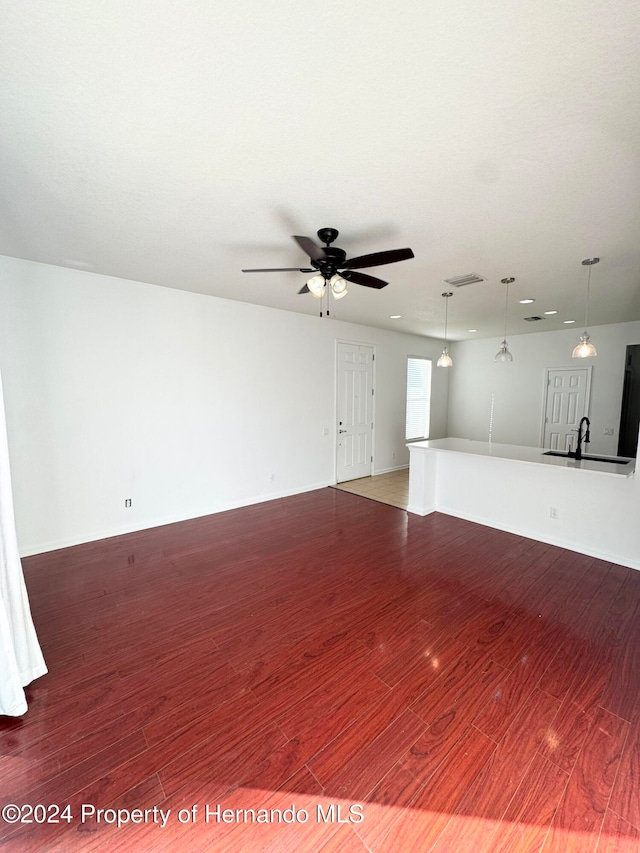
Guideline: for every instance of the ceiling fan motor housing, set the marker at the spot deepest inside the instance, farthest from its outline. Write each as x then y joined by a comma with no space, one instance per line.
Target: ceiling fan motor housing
327,235
334,260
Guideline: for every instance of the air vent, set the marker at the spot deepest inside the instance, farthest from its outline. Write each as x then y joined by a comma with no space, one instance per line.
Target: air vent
462,280
534,319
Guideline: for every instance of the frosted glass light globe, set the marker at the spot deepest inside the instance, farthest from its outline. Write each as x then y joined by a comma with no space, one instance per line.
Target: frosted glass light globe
316,286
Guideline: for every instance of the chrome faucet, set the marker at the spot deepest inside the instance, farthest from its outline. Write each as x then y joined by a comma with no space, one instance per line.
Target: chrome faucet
586,438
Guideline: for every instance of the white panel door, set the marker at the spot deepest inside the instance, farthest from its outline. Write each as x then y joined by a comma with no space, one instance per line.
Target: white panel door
567,400
355,411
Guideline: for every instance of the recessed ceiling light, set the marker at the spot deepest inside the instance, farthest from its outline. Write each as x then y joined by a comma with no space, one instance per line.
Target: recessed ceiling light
395,316
526,301
472,330
568,321
550,312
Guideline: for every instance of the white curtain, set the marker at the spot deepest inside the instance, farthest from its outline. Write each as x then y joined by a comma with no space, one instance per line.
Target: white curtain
20,657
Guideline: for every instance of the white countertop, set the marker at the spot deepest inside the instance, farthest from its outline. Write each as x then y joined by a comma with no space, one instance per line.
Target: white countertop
527,455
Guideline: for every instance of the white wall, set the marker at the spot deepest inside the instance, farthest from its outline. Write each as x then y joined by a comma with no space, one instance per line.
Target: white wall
518,390
185,403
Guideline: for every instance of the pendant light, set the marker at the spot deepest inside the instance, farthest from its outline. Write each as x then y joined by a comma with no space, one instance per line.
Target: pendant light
445,358
585,348
503,355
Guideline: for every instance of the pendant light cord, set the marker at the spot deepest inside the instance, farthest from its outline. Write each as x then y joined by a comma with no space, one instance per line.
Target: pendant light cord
446,319
586,307
506,309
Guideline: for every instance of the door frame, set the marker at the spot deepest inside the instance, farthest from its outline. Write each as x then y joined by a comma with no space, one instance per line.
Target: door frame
630,402
335,401
587,393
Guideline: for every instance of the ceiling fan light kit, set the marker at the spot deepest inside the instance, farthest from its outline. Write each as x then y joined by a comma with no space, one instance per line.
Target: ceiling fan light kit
335,269
585,349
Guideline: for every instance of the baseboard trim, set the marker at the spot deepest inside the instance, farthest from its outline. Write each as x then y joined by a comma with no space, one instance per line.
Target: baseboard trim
389,470
419,510
548,540
149,524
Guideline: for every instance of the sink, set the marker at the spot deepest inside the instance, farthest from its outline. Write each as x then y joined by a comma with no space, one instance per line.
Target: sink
614,460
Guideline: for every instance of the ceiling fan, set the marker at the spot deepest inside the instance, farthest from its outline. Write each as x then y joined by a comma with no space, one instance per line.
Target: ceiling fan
335,269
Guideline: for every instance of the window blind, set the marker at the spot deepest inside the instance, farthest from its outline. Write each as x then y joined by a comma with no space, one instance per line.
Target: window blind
418,398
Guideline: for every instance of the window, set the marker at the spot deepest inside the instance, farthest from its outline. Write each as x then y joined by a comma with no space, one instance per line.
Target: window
418,398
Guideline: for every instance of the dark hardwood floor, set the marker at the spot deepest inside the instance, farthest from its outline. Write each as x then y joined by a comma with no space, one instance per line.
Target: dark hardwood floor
406,683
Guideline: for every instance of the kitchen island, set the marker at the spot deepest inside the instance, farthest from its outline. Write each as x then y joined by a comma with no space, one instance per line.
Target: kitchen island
586,506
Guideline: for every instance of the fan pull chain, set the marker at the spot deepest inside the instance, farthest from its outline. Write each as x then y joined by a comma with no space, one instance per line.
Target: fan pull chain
325,296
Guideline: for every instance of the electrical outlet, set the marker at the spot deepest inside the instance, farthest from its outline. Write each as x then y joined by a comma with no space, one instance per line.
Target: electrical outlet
608,431
325,431
554,512
127,502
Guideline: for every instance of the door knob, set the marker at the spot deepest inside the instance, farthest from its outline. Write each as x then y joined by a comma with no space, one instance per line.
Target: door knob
342,430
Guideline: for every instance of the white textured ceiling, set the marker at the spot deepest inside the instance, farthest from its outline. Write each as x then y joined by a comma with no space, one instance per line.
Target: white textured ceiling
176,143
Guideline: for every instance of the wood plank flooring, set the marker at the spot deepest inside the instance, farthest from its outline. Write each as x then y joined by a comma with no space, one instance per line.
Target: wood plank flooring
360,678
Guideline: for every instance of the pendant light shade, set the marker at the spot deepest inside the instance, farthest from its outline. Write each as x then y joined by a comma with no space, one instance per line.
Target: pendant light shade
503,355
585,349
445,359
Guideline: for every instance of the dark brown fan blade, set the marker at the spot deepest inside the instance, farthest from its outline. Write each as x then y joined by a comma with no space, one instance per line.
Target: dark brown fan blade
377,259
316,253
363,278
281,269
304,289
